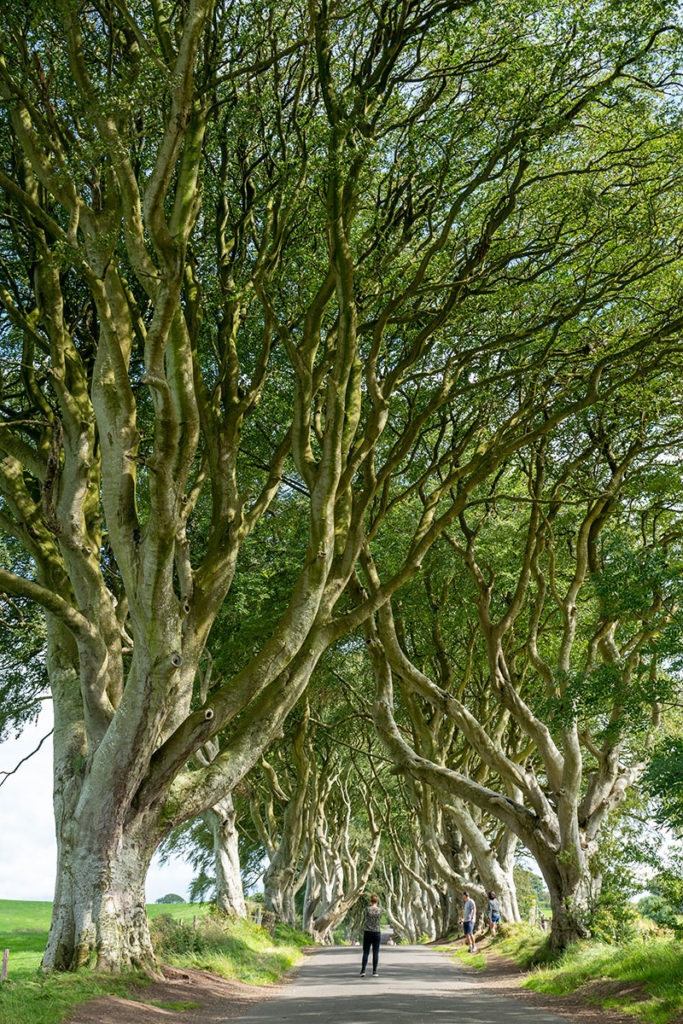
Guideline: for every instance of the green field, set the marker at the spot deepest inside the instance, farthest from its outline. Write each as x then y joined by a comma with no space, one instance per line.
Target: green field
24,925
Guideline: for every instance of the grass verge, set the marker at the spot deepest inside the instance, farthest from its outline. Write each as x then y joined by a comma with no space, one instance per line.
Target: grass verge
646,977
237,950
477,960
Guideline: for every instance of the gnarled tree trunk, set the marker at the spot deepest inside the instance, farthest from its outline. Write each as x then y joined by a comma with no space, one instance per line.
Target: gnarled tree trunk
229,889
99,915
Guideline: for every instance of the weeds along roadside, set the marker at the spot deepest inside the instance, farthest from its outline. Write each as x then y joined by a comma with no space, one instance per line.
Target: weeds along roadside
646,970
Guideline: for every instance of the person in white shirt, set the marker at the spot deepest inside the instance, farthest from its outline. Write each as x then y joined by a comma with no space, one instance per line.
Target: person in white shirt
469,917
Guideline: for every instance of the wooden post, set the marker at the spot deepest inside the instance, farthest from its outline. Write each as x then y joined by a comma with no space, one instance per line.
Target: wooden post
5,958
194,922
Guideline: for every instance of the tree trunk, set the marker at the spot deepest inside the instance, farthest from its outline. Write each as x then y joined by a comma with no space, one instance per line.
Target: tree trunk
276,887
229,890
311,897
569,888
99,914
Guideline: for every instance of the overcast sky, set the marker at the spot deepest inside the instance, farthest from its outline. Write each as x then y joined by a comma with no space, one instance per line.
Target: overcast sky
27,845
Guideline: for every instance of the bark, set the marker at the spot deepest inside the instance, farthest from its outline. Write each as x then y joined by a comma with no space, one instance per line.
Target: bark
229,890
287,836
569,888
99,915
493,867
279,892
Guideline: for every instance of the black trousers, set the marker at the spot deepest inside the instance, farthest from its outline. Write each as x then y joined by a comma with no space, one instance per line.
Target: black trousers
371,939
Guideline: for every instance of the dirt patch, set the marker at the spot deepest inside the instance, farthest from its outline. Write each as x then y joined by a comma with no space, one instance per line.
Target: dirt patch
215,999
502,975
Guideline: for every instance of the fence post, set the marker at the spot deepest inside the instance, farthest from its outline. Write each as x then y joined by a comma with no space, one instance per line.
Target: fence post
194,922
5,958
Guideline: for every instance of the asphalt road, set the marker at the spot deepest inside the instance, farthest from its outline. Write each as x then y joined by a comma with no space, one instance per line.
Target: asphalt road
416,985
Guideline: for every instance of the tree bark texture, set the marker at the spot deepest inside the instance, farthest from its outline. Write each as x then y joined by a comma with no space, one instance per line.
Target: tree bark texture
229,889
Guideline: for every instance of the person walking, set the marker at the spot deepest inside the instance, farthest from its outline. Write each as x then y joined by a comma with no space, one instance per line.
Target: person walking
494,912
469,917
371,935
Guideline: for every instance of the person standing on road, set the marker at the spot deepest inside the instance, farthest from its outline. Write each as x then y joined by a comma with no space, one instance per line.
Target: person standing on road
371,935
494,912
469,917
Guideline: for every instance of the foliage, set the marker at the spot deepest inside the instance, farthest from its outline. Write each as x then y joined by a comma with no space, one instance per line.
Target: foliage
626,854
263,345
531,890
663,780
665,904
171,897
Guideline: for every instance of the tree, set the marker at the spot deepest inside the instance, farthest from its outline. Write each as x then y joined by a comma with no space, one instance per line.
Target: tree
663,780
286,837
575,626
242,267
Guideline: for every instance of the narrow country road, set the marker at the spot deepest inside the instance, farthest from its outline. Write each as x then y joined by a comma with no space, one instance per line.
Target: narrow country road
416,985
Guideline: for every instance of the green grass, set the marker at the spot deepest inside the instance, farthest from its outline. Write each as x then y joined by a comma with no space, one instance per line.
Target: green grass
24,925
656,965
48,1000
238,950
477,960
23,930
179,911
527,945
234,949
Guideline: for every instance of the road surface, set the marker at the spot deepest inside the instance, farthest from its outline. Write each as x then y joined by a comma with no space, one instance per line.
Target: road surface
416,985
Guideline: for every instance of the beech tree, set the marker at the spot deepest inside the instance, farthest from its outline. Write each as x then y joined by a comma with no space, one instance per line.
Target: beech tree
575,624
327,253
287,836
433,842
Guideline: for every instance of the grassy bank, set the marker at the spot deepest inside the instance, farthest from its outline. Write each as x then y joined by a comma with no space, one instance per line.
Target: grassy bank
239,950
646,976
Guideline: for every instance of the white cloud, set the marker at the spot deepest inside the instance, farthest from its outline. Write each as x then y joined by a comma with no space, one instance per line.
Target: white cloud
28,851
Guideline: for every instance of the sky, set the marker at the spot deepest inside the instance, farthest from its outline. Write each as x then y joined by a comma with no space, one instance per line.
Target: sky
28,852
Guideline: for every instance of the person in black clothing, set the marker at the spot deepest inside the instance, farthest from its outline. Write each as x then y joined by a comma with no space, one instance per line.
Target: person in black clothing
371,935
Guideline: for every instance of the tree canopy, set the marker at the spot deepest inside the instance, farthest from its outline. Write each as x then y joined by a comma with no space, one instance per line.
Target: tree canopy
311,277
